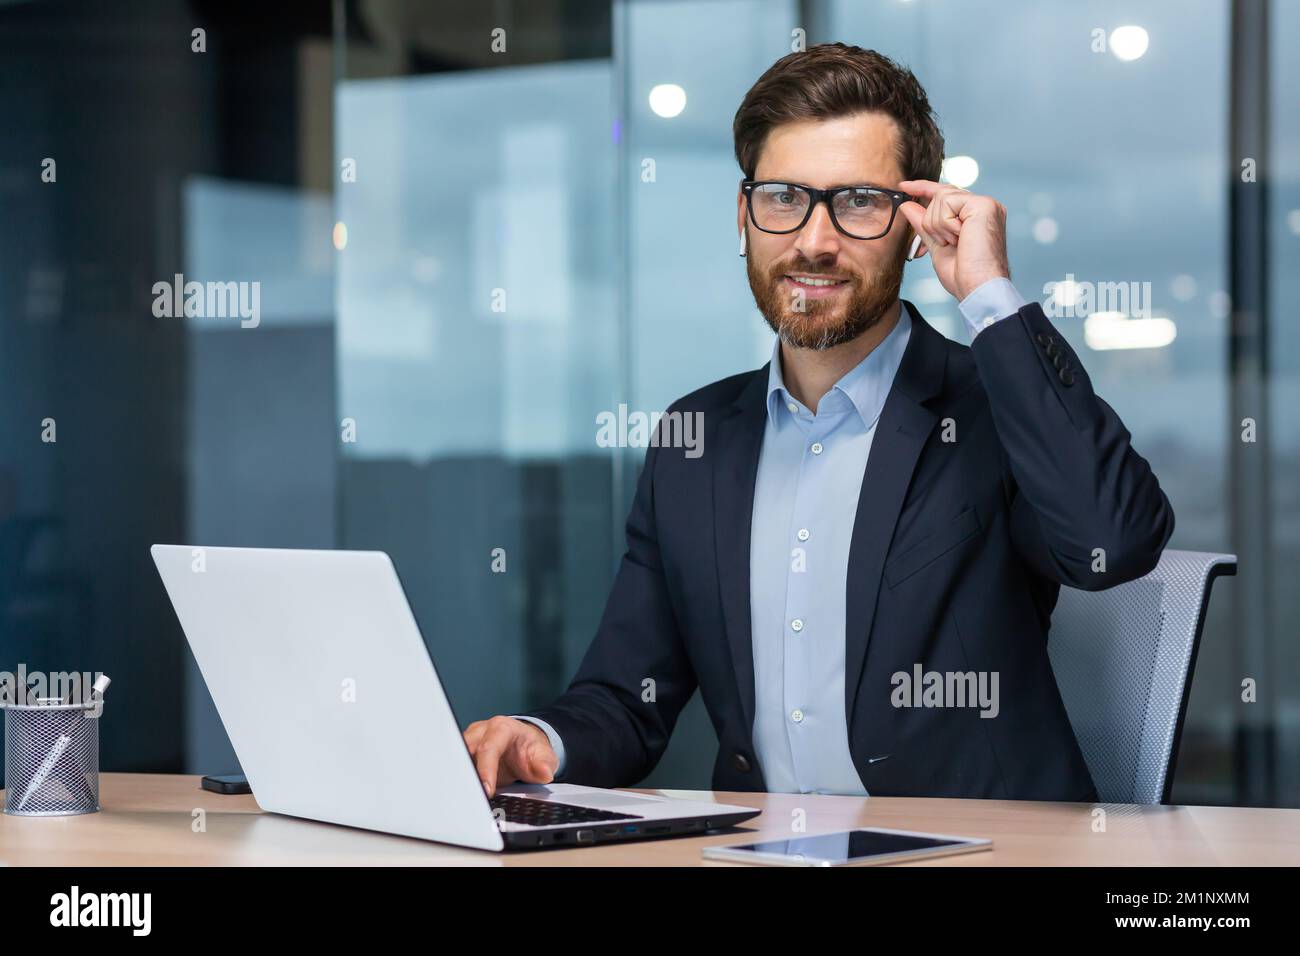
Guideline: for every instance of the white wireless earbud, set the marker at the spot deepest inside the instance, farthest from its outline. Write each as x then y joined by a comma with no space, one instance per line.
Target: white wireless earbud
916,244
742,242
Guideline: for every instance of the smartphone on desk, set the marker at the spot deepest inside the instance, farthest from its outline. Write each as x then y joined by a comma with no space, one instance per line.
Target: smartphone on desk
864,847
227,783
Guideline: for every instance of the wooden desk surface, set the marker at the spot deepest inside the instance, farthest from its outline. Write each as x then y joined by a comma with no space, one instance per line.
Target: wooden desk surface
148,820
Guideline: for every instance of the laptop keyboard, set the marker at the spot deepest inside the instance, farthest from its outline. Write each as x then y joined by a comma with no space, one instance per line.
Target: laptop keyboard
545,813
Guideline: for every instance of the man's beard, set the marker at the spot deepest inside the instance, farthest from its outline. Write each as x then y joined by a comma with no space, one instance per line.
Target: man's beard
823,324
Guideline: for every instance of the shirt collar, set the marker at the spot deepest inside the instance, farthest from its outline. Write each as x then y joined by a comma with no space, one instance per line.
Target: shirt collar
866,385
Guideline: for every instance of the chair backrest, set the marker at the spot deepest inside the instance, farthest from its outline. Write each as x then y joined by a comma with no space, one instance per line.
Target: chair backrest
1123,659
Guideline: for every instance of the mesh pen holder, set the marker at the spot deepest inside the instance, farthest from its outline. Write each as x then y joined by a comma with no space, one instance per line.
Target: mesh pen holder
51,758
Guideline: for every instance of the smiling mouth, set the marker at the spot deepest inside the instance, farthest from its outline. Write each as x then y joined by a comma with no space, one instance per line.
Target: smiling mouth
815,282
816,286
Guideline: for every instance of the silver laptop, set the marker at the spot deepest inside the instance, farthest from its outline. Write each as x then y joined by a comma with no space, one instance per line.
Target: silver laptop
336,713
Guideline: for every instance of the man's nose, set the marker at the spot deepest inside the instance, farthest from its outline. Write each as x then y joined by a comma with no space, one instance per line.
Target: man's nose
818,238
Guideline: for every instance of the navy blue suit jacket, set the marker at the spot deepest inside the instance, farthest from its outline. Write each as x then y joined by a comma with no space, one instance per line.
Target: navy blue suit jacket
958,552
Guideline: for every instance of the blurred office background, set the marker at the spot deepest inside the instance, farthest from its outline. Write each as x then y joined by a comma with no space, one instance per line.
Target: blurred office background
478,225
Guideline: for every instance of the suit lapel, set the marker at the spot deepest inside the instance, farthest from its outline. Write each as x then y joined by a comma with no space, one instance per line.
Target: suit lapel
735,469
904,426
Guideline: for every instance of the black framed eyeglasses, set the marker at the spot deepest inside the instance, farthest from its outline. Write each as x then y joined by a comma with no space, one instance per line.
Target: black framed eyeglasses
860,212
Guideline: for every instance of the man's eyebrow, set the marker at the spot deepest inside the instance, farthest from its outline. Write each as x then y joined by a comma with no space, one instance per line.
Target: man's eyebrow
859,185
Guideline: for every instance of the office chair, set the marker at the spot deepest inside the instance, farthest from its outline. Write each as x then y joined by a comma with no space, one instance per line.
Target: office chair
1123,660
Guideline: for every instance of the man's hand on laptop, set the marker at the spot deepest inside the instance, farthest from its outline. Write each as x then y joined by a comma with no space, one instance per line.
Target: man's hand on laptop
505,750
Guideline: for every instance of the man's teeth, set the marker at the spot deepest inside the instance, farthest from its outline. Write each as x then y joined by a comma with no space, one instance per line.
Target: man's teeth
803,280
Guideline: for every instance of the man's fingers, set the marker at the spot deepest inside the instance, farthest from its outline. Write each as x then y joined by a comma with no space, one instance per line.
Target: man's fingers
531,758
942,215
532,761
505,750
943,206
488,756
912,213
915,216
947,216
474,733
931,229
921,188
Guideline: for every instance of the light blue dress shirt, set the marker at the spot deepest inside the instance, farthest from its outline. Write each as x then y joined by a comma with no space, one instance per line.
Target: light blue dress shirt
805,501
990,302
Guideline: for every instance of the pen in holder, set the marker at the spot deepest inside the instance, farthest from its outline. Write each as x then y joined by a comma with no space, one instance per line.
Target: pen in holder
52,755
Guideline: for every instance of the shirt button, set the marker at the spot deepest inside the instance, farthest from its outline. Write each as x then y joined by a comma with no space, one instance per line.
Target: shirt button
816,448
796,624
803,534
987,322
797,716
794,409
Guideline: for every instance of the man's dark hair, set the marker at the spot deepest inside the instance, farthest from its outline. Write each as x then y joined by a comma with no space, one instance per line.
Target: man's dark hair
831,80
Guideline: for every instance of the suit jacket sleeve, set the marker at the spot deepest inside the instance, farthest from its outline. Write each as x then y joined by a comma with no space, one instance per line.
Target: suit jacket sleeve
614,724
1075,482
